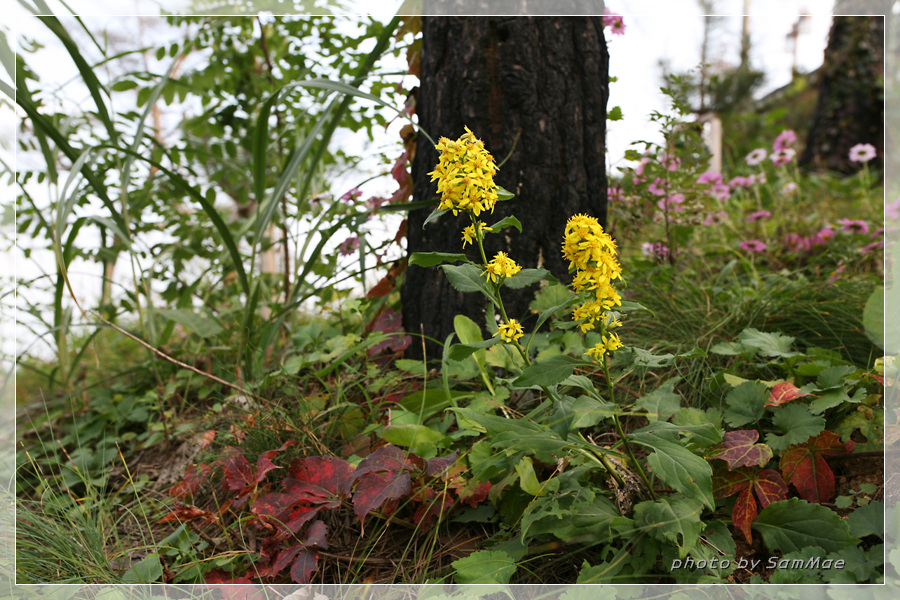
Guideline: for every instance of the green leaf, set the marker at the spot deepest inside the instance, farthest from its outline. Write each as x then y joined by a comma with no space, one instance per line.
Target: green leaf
547,372
484,567
677,466
528,480
505,223
460,352
434,215
466,330
552,296
662,402
629,306
746,404
410,435
793,524
202,326
796,424
671,519
731,348
504,194
429,259
614,114
148,570
124,85
867,520
527,277
769,344
465,278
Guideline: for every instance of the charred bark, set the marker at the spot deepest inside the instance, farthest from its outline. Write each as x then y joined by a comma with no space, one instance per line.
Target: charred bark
533,89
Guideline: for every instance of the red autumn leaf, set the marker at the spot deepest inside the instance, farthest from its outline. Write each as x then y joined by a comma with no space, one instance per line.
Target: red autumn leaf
184,514
739,449
877,378
264,463
386,458
783,393
433,508
474,492
804,465
316,535
193,476
304,566
728,483
333,476
300,516
218,576
390,323
284,558
207,438
769,486
238,472
375,489
440,466
382,288
744,513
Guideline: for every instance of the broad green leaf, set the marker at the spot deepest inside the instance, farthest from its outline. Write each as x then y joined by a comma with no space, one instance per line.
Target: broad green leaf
409,435
746,404
202,326
793,524
484,567
867,520
614,114
506,222
769,344
434,215
465,278
671,519
731,348
504,194
528,480
149,570
796,424
429,259
546,373
527,277
662,402
684,471
552,296
460,352
466,329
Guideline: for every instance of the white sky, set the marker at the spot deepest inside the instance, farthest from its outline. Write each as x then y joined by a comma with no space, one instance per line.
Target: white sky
670,30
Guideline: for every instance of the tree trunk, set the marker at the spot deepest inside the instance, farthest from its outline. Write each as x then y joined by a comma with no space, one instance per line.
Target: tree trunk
850,107
533,89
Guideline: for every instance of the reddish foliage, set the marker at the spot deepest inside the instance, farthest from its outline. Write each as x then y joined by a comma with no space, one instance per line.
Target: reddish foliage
193,476
435,507
739,449
804,466
185,514
389,322
783,393
374,489
767,483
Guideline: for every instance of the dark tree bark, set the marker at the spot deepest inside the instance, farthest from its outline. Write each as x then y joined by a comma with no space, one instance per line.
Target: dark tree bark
850,106
534,89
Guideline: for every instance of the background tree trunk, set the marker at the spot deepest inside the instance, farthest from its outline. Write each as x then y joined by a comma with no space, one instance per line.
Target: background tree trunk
534,89
850,106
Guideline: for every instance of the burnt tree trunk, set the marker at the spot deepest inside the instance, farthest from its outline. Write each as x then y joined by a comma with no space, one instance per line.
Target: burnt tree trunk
850,106
533,89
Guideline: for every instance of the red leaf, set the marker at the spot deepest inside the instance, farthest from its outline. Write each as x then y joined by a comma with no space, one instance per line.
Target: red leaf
390,323
804,466
332,475
386,458
218,576
207,438
440,466
739,449
299,517
184,514
304,566
474,493
374,489
264,463
316,535
783,393
193,477
284,558
744,512
238,472
769,487
434,508
728,483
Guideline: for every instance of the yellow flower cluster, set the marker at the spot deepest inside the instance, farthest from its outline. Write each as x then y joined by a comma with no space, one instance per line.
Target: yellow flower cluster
608,343
511,331
501,267
591,253
465,175
469,234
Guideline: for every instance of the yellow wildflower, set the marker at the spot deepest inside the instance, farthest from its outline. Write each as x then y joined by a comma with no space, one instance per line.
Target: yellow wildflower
511,331
469,235
501,267
465,175
597,351
608,343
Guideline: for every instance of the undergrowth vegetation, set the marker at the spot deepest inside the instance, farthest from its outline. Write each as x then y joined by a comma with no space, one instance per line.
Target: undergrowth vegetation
703,390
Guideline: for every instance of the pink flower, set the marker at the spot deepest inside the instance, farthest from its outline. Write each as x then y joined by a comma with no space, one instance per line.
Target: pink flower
715,218
854,226
877,233
349,246
740,182
753,246
352,195
759,178
789,188
862,153
658,187
756,157
822,237
872,247
673,163
614,194
657,250
797,243
758,215
673,203
640,168
721,192
615,22
784,140
709,177
783,157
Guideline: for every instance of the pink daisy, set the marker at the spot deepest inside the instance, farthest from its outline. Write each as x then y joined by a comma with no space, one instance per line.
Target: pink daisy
349,246
784,140
862,153
615,22
756,157
854,226
710,177
753,246
758,215
715,218
783,157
